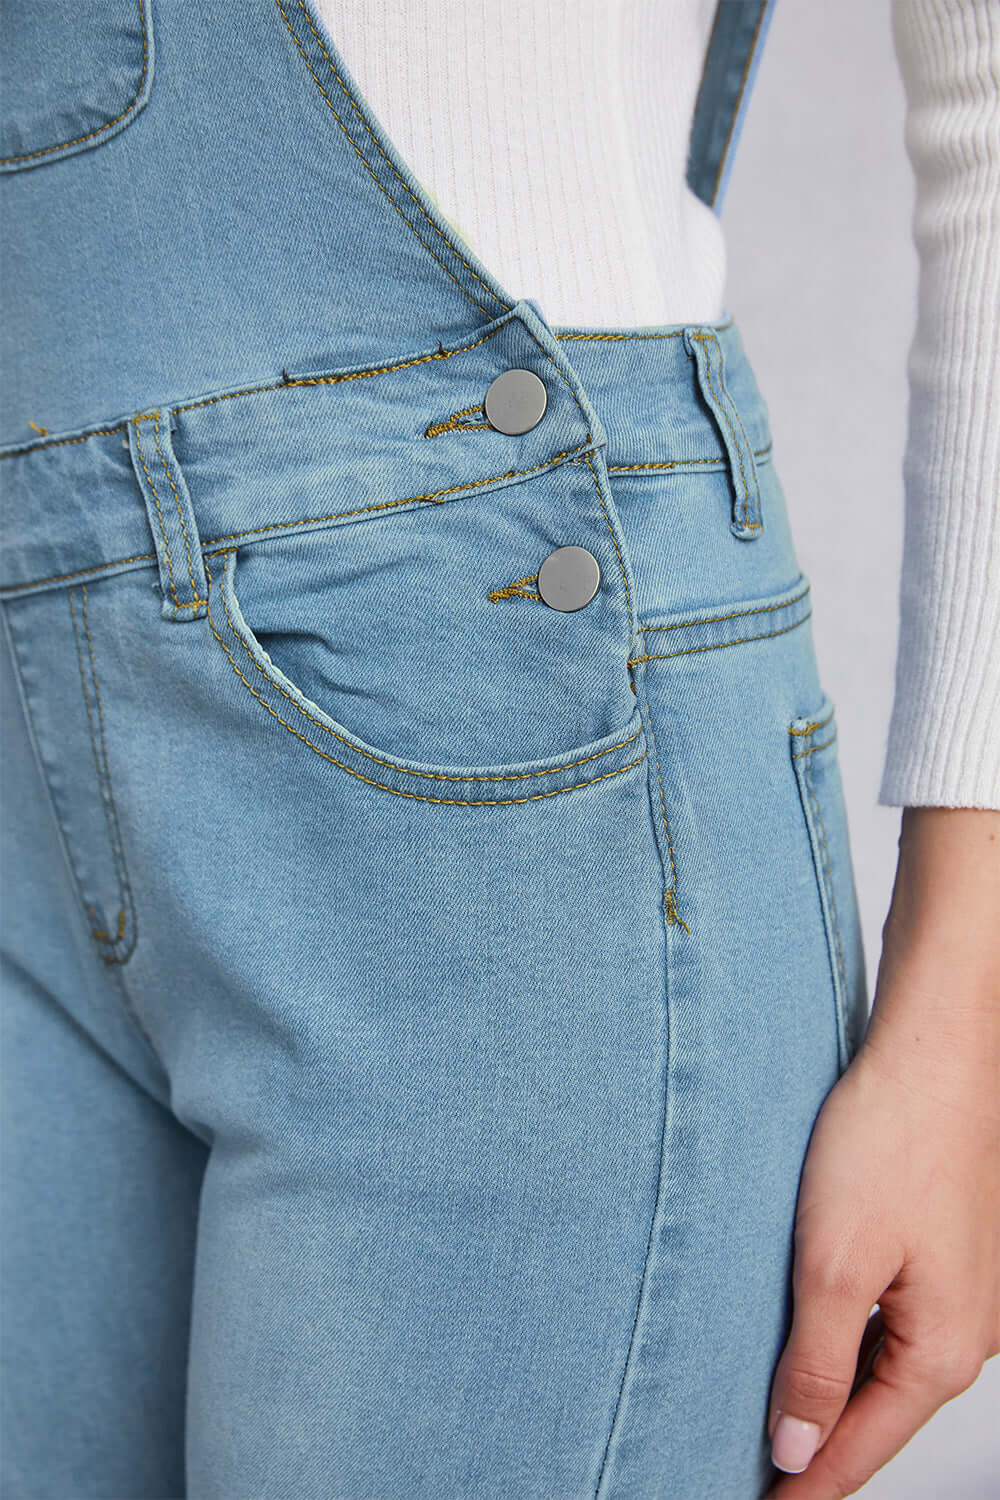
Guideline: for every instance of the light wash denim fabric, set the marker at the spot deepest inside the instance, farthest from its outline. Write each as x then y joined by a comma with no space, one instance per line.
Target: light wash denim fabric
417,998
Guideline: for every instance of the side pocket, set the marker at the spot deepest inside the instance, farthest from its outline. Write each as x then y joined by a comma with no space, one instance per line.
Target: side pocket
264,686
71,76
58,668
812,742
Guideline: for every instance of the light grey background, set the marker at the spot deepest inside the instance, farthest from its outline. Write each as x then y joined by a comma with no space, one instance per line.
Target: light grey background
822,280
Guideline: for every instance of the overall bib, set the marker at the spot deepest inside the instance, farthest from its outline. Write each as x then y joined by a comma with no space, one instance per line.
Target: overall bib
426,950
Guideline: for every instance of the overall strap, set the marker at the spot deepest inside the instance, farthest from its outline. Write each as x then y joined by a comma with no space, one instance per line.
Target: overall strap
731,61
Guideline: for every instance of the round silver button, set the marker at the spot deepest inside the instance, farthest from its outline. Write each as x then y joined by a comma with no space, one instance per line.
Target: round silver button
515,402
568,578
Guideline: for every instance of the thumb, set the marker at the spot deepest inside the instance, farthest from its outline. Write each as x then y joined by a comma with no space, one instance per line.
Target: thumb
816,1373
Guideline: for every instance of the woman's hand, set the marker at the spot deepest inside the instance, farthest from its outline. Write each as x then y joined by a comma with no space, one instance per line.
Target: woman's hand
899,1202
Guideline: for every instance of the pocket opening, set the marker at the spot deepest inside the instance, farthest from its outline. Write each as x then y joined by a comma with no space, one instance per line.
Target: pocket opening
489,785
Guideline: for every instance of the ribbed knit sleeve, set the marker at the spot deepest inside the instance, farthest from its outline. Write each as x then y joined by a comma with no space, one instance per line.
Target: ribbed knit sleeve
943,745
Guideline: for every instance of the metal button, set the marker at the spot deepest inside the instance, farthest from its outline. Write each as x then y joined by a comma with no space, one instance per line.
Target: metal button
568,578
515,402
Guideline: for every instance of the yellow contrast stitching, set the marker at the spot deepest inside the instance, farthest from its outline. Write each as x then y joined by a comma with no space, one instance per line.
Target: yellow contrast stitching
670,895
614,337
163,529
389,164
338,378
418,796
103,772
97,568
180,513
761,609
826,874
683,463
455,423
100,933
63,145
621,564
305,380
813,724
676,463
516,589
797,754
82,437
340,515
721,645
390,765
388,504
670,902
275,385
374,175
750,525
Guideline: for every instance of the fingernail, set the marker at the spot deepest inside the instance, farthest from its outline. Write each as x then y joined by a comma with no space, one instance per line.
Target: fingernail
793,1444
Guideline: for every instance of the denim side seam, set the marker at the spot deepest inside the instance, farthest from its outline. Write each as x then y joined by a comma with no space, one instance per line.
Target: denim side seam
803,764
661,823
113,948
669,918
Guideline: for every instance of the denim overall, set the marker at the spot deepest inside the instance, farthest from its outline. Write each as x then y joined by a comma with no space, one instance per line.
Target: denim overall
418,997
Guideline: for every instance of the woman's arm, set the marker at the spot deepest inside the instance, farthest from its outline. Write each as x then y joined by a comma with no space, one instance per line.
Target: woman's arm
944,736
900,1196
899,1201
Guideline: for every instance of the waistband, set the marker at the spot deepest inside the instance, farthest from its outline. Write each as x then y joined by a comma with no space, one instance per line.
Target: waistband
320,448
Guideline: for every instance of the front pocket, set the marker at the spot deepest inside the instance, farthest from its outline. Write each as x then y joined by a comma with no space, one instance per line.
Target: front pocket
71,76
812,742
293,712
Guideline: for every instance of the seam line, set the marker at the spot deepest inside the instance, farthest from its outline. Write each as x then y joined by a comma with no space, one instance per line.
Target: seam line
737,614
721,645
104,784
91,134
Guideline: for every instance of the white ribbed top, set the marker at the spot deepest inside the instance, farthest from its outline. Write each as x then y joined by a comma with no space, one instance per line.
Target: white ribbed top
944,735
553,134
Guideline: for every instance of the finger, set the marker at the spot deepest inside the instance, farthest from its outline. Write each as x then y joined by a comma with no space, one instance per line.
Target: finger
818,1367
902,1394
871,1343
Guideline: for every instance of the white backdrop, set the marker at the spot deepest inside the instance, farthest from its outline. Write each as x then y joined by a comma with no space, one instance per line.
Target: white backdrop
822,281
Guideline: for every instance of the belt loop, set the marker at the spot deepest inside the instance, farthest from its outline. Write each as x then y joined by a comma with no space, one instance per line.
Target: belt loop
171,516
704,347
